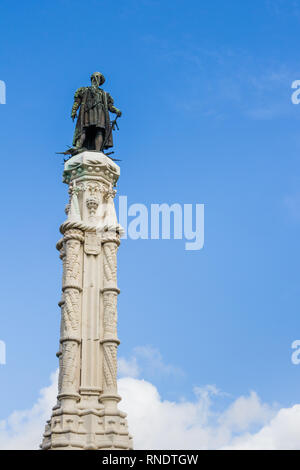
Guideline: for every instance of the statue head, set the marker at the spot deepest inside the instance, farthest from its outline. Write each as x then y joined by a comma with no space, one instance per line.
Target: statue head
97,79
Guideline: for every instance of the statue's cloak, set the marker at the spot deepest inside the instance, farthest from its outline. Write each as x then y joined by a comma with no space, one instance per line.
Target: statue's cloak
95,104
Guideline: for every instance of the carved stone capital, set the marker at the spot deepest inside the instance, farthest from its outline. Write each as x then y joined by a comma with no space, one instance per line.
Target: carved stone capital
109,194
92,164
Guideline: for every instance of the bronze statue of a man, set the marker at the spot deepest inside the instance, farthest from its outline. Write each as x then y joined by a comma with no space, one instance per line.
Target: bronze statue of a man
93,129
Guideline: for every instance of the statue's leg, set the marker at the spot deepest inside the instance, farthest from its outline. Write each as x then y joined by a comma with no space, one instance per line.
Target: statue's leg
82,139
99,139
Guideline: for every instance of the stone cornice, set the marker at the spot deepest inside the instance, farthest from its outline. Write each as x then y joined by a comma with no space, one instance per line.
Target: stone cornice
91,164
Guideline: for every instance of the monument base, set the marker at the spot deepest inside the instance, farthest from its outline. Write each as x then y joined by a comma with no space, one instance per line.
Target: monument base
85,429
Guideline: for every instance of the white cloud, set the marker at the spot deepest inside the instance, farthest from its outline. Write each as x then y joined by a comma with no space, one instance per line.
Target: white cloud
128,367
155,423
245,412
24,429
148,360
160,424
282,432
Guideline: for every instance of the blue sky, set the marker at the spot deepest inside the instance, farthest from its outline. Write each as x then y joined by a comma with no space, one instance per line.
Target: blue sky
205,90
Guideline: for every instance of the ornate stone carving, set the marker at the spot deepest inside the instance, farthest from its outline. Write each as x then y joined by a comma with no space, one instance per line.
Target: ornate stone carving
110,367
110,313
92,243
110,262
93,188
68,366
67,208
109,193
92,204
71,313
96,168
72,262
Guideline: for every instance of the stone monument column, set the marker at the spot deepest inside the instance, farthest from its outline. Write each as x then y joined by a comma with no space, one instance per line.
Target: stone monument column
86,415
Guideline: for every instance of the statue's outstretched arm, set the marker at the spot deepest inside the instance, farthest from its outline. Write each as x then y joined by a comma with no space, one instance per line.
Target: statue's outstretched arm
111,107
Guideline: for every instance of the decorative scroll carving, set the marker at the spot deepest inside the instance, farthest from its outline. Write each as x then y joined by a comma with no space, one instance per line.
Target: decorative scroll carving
109,193
68,365
93,188
110,313
71,313
110,262
72,262
110,367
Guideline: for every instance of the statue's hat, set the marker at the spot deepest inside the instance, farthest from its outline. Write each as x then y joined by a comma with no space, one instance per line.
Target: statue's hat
98,74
